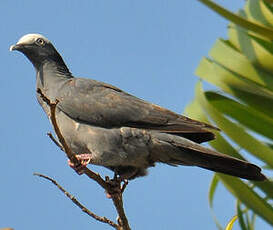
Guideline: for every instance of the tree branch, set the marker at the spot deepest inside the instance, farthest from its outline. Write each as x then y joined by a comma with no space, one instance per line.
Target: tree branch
56,142
77,203
52,107
112,187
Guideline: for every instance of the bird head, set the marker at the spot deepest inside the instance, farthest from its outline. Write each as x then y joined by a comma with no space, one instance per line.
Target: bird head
38,49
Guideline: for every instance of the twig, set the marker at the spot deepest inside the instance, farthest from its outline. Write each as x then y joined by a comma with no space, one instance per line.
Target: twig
77,203
118,202
55,141
118,190
125,183
52,107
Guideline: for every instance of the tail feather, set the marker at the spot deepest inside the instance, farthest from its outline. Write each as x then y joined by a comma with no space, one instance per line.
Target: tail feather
180,151
226,164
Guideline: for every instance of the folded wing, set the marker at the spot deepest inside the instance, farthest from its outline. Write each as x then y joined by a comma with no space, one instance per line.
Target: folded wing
104,105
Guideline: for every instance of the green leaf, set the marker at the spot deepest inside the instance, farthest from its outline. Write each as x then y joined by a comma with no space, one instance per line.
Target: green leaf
233,84
238,37
253,220
267,9
257,28
250,198
268,1
235,131
240,215
239,64
255,13
266,187
263,43
244,114
241,67
221,145
212,189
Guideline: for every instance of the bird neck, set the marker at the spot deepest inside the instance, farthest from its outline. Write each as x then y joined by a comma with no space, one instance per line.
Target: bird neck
54,66
56,61
51,73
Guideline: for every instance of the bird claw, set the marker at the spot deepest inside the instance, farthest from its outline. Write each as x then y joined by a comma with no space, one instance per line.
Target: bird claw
116,185
84,160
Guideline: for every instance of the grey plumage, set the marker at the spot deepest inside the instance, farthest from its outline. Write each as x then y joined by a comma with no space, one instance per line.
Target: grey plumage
120,131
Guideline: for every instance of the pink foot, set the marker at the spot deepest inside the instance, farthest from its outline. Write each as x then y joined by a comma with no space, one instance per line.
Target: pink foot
108,195
84,161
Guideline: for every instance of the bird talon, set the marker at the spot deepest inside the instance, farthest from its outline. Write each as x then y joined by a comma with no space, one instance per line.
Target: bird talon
84,160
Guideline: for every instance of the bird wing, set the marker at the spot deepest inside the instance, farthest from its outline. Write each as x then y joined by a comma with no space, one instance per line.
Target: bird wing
104,105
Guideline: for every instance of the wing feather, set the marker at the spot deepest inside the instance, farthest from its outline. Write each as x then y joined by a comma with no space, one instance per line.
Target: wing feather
104,105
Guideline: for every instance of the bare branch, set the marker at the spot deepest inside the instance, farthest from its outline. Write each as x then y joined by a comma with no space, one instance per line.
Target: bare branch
125,183
52,106
77,203
118,202
55,141
114,189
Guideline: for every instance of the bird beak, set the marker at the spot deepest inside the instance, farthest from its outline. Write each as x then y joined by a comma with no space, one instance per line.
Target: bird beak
15,47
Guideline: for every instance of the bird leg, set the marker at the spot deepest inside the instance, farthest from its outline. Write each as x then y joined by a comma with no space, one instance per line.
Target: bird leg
116,185
84,160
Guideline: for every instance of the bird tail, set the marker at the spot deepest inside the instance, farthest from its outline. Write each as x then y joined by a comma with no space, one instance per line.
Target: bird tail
176,150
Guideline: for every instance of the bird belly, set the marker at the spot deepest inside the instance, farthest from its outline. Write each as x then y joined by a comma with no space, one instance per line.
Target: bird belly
110,147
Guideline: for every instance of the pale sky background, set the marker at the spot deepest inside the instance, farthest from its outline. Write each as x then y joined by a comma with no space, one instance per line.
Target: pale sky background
149,48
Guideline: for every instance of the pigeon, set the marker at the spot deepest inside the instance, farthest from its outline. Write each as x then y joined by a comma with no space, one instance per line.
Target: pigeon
104,125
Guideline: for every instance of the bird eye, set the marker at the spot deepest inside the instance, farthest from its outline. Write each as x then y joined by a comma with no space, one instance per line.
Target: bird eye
40,41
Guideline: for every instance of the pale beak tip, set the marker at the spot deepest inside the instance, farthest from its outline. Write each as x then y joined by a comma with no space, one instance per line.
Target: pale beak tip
11,48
